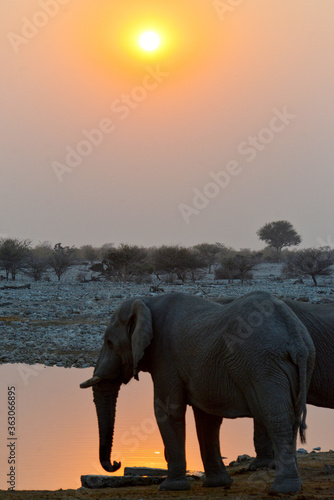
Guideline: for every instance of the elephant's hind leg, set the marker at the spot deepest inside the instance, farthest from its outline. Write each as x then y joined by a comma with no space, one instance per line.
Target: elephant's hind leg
207,427
287,478
263,447
283,433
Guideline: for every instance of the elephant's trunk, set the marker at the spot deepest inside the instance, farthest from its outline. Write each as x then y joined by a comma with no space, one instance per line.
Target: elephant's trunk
105,397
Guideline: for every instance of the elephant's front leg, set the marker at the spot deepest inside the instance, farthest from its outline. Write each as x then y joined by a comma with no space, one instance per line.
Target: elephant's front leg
208,427
171,421
263,447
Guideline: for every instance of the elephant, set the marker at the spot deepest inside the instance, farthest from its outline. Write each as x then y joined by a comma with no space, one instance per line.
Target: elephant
198,354
319,321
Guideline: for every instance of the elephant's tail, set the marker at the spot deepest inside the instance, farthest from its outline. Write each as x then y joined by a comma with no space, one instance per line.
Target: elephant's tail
302,353
302,365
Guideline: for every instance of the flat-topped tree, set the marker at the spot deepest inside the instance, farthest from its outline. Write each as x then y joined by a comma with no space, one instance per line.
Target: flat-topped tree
279,234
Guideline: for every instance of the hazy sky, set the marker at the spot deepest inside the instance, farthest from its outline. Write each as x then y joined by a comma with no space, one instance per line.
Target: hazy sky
227,127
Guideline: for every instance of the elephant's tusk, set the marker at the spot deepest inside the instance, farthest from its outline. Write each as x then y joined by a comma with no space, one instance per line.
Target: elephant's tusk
89,383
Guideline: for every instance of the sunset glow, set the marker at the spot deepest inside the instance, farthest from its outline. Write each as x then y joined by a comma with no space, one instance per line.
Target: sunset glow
130,36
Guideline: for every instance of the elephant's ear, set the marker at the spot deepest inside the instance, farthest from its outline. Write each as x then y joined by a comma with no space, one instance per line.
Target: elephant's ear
142,332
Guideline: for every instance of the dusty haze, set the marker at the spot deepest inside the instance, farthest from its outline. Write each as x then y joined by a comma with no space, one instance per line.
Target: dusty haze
228,73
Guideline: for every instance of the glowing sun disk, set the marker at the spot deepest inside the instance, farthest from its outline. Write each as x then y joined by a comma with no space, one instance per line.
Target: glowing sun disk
149,41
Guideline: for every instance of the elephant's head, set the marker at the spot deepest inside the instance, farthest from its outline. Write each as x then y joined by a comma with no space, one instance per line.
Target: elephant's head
127,336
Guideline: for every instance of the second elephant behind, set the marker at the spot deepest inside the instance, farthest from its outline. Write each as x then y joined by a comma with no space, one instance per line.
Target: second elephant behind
319,321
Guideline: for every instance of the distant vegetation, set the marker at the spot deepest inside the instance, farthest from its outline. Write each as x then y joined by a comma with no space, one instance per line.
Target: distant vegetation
127,263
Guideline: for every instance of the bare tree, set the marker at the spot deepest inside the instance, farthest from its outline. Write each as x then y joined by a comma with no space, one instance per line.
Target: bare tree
37,261
278,235
13,254
61,259
311,262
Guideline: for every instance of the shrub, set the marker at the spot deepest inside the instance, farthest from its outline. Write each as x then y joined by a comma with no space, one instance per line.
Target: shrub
311,262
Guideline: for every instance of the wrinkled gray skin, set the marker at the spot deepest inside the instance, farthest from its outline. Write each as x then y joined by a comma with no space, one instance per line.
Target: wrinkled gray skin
198,354
319,321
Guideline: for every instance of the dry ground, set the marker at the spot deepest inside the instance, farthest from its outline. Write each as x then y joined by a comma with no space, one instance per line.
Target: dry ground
246,485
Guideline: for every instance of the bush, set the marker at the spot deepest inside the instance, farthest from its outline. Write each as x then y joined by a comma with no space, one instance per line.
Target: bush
13,255
176,261
311,262
61,259
88,253
222,274
209,254
126,262
237,266
37,262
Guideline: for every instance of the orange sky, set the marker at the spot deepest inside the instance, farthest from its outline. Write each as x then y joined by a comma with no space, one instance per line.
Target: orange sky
70,67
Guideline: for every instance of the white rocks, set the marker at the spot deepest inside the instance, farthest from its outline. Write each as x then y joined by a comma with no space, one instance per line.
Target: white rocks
133,476
64,322
97,482
240,460
144,471
243,458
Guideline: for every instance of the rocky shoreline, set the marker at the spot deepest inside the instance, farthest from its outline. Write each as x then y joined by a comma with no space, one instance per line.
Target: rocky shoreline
316,470
62,324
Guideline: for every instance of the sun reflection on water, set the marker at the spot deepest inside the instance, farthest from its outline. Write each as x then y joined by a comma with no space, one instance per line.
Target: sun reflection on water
58,435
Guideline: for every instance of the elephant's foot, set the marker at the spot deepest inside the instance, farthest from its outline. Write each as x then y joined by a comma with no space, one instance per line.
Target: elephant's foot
222,480
286,485
170,484
262,463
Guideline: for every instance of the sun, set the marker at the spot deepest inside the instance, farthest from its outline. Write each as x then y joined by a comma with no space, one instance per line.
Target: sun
149,41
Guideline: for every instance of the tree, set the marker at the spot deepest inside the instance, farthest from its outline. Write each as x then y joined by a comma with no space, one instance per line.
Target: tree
227,269
176,260
125,262
13,254
311,262
61,259
238,266
244,264
278,235
88,252
208,253
37,261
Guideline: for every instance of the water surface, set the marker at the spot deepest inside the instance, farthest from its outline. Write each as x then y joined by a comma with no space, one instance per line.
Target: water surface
57,435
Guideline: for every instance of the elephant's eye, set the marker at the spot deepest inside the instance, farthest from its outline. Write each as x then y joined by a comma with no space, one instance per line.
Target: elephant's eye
110,344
